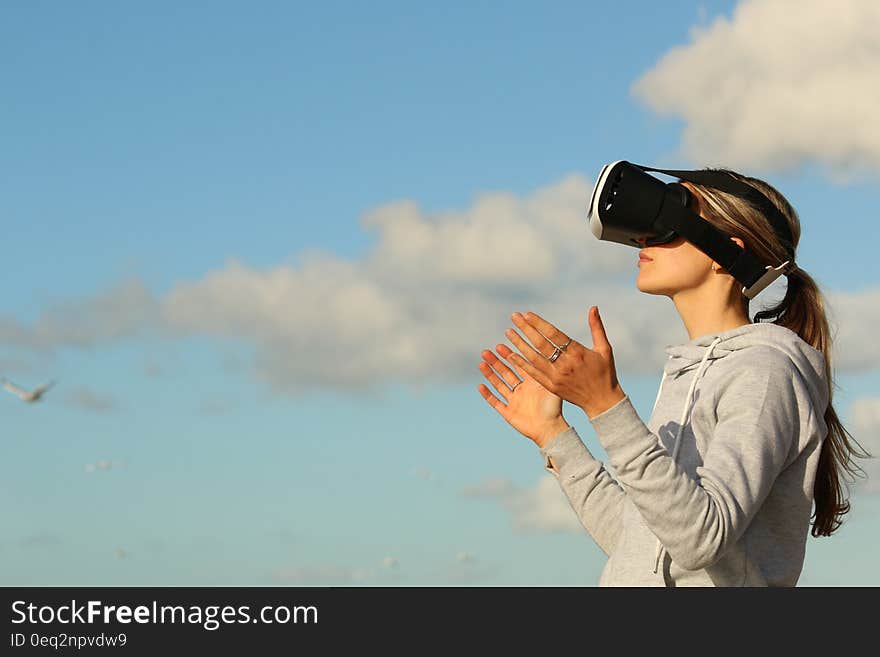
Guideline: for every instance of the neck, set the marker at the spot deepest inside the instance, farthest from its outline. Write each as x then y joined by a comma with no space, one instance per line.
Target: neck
710,308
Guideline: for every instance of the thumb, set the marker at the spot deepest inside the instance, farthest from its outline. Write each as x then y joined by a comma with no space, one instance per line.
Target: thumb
600,339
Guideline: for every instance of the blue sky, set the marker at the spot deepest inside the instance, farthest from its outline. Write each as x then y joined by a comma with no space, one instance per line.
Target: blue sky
213,221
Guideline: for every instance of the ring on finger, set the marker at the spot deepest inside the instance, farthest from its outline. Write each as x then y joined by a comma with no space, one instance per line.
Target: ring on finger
557,349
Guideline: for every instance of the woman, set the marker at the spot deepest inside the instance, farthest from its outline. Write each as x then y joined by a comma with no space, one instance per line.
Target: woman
717,488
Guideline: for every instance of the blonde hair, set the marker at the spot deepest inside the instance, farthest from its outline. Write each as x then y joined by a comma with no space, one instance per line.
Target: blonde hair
801,310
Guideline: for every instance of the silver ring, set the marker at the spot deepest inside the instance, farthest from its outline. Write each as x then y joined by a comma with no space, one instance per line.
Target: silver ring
558,350
514,387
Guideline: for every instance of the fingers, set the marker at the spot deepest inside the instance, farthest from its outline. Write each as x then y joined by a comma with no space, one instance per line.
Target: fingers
492,400
525,368
496,382
537,359
503,383
545,327
505,353
499,366
542,345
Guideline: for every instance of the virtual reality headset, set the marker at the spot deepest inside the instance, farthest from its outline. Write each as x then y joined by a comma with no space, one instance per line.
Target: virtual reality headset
629,206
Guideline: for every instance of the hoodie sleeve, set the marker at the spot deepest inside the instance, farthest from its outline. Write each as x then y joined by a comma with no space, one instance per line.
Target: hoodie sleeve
698,519
595,496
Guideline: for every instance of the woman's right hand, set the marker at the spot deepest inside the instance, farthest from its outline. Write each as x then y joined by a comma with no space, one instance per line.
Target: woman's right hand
530,409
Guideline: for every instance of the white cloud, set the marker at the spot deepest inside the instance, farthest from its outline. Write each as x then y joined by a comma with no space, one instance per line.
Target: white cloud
853,316
464,557
122,311
103,465
543,508
502,242
332,323
400,315
865,428
777,84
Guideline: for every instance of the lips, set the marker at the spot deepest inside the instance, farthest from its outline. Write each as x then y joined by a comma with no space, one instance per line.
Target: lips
643,257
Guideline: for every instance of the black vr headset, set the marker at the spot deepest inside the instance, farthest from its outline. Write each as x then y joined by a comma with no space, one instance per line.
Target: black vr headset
628,206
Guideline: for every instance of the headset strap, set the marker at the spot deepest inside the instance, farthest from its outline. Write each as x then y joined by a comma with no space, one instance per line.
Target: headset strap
739,262
726,183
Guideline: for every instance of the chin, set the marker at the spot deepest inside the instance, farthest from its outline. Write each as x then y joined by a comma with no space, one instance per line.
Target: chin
646,285
647,289
643,284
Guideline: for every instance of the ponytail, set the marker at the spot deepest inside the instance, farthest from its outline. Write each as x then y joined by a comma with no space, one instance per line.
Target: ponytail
802,310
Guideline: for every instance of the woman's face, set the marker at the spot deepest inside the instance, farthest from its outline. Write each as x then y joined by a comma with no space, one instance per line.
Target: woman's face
675,266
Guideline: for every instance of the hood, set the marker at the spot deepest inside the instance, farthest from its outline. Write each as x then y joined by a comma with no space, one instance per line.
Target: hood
808,360
697,354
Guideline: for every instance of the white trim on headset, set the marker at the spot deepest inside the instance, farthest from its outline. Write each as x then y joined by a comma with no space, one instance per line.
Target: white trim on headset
595,218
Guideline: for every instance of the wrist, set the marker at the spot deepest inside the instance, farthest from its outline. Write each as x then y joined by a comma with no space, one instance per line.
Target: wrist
550,431
600,406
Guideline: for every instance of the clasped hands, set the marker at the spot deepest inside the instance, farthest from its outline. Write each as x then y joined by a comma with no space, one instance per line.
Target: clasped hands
533,383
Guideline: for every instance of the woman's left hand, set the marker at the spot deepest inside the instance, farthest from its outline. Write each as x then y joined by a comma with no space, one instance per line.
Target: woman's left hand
585,377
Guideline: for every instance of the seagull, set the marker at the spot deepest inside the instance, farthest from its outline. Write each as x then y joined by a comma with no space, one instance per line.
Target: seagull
25,395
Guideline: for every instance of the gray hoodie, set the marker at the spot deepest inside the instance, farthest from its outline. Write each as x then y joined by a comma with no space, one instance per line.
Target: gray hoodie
717,488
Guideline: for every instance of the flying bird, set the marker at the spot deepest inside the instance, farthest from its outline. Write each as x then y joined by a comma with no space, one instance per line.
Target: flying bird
27,395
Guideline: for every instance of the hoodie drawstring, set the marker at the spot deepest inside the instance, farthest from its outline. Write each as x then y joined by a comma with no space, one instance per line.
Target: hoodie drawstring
684,418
